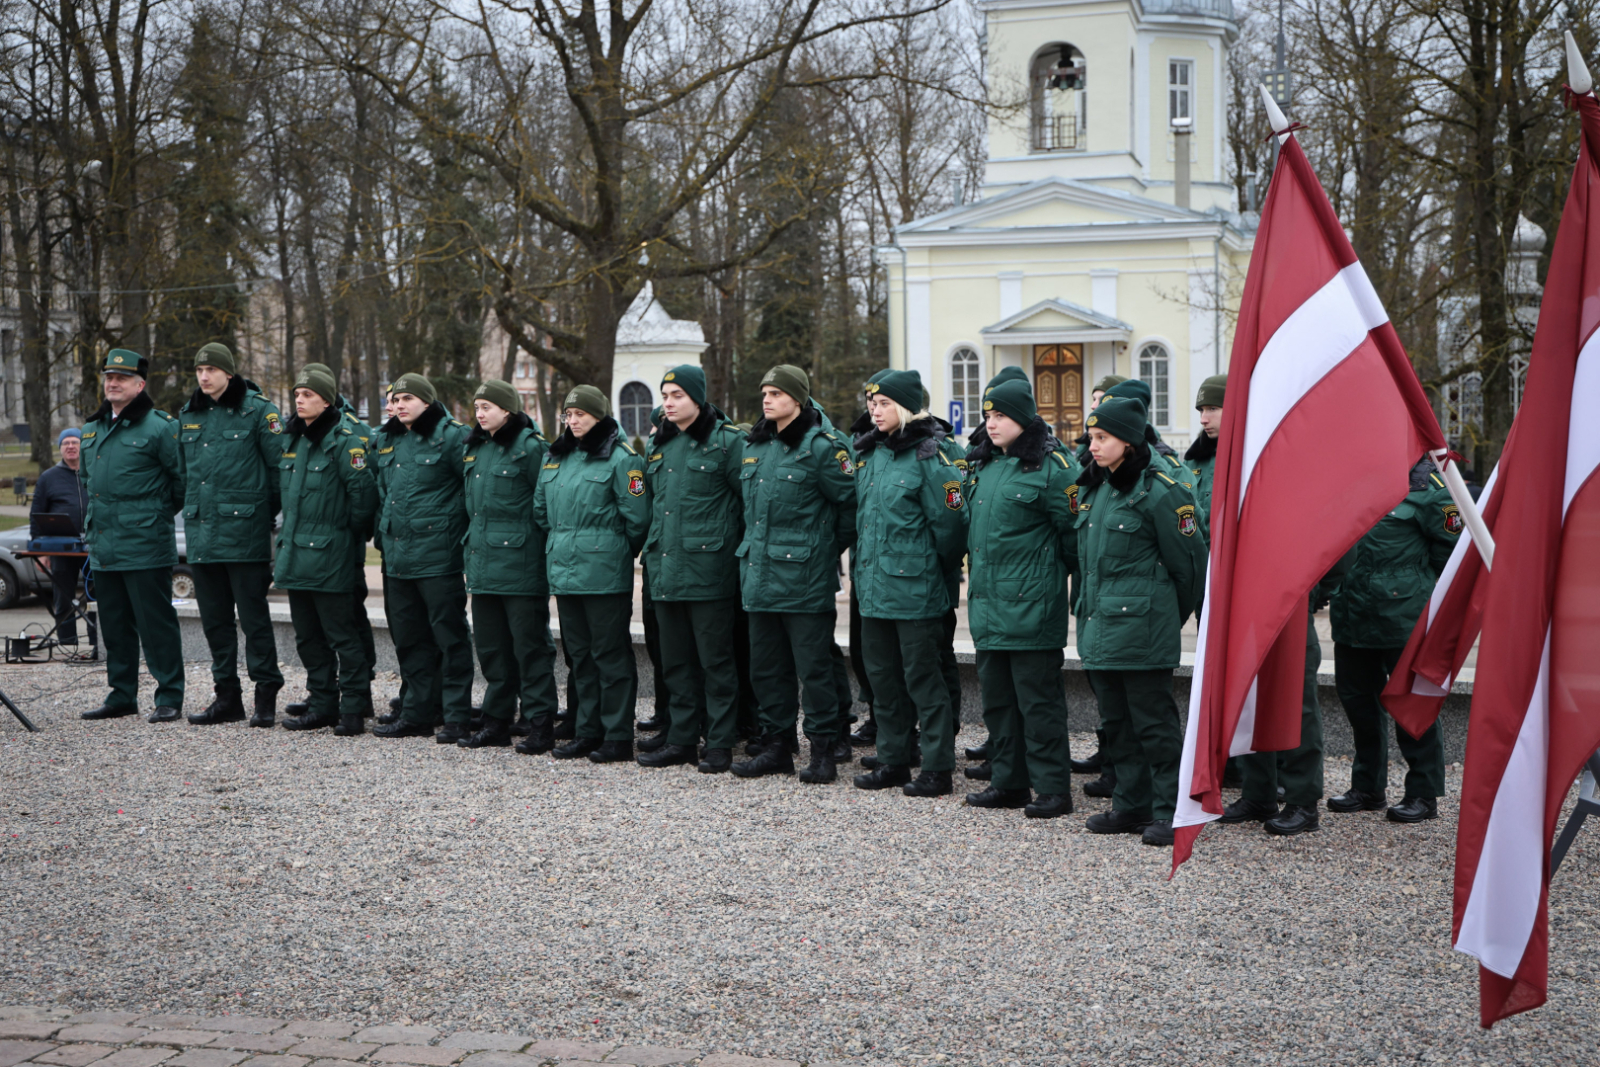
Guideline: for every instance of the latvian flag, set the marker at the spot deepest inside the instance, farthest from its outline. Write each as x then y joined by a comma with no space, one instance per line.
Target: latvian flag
1314,349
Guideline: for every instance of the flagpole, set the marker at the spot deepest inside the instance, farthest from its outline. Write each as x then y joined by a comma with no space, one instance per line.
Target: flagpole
1469,507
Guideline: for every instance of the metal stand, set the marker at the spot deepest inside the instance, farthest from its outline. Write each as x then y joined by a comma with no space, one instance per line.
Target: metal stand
23,719
1588,804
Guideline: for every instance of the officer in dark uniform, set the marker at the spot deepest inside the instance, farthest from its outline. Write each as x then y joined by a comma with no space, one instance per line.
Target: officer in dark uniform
799,493
330,500
1393,570
133,477
231,438
423,523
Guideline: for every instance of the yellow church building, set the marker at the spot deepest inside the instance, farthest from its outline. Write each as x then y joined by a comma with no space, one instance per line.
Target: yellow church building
1093,249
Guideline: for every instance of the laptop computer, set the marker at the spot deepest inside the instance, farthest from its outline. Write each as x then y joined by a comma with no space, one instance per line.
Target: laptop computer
53,524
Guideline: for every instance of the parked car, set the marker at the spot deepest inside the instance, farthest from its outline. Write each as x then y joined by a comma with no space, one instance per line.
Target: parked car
22,577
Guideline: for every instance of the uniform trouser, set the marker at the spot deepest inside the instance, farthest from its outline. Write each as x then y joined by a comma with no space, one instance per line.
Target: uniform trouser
789,666
948,668
903,661
517,654
858,659
1025,710
660,682
364,624
388,615
136,609
749,716
702,674
1143,739
428,621
338,674
604,675
1298,770
64,582
841,686
1360,675
220,589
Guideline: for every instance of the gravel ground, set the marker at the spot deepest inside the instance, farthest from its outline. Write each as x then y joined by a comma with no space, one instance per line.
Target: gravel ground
180,869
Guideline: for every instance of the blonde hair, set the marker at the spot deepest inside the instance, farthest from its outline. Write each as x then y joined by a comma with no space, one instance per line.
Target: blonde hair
906,415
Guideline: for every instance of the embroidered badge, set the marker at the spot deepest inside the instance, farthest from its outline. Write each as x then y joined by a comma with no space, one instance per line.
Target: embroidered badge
988,405
845,466
358,458
636,483
272,422
1452,519
670,376
873,387
1187,523
1094,420
1072,497
952,495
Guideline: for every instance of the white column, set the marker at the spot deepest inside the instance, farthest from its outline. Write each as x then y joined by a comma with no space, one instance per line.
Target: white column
919,330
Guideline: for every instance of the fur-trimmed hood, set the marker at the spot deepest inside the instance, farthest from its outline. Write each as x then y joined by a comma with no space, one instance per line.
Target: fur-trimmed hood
766,430
1032,447
700,429
431,416
923,434
238,388
598,442
315,430
505,435
1125,477
1203,449
136,409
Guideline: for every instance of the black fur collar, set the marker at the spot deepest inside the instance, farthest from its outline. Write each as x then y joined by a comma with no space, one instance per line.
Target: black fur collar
765,430
924,434
863,424
1125,477
231,397
1032,447
598,442
700,429
505,436
137,408
431,416
315,430
1204,448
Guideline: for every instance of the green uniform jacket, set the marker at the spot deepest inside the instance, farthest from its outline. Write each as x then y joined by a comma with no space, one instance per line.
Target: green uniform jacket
330,499
505,547
591,499
696,517
911,523
230,450
132,477
1142,564
1021,542
799,494
1394,567
420,478
1201,459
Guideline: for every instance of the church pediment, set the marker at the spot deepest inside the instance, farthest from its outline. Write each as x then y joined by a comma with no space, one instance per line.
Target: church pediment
1057,322
1050,203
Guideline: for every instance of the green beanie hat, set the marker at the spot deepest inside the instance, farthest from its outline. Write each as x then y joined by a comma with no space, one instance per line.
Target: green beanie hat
1130,387
216,355
319,382
587,398
1211,392
1105,384
904,387
1007,374
1012,399
416,385
500,394
123,361
791,379
876,378
1122,417
689,378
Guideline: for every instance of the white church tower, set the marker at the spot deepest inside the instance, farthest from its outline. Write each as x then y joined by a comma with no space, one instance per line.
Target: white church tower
1095,249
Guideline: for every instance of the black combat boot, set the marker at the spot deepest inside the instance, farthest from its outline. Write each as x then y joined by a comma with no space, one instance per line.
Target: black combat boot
1294,819
1091,765
716,761
613,752
400,728
1049,806
980,772
1246,810
1000,798
350,726
493,734
930,784
822,768
883,777
228,706
266,712
538,740
867,733
979,752
841,751
566,727
774,758
652,744
665,755
295,709
576,748
312,720
450,733
1104,785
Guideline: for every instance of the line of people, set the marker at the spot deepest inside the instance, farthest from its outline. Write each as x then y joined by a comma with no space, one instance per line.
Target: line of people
740,532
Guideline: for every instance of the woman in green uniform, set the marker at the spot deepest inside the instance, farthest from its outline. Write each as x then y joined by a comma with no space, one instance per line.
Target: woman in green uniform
911,529
591,502
1022,501
1142,559
505,571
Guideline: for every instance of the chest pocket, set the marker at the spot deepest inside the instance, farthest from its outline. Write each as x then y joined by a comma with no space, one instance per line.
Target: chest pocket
1121,533
189,437
235,435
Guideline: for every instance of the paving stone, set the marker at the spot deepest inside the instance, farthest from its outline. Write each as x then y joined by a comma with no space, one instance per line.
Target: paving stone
581,1063
181,1038
34,1028
336,1063
329,1029
473,1039
14,1052
329,1049
276,1061
501,1059
103,1017
207,1057
424,1054
570,1050
169,1022
256,1042
651,1055
726,1059
243,1024
136,1057
391,1034
75,1055
19,1011
110,1033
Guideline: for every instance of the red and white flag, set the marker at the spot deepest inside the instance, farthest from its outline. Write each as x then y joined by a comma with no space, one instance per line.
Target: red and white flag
1536,696
1313,345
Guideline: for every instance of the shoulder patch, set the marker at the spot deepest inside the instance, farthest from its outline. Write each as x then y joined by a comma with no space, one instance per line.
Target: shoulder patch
960,464
274,423
1072,497
358,458
1187,523
1453,522
845,466
636,483
952,495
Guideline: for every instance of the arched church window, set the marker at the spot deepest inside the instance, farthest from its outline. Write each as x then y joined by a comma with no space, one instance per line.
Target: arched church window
1155,366
633,409
966,385
1057,86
